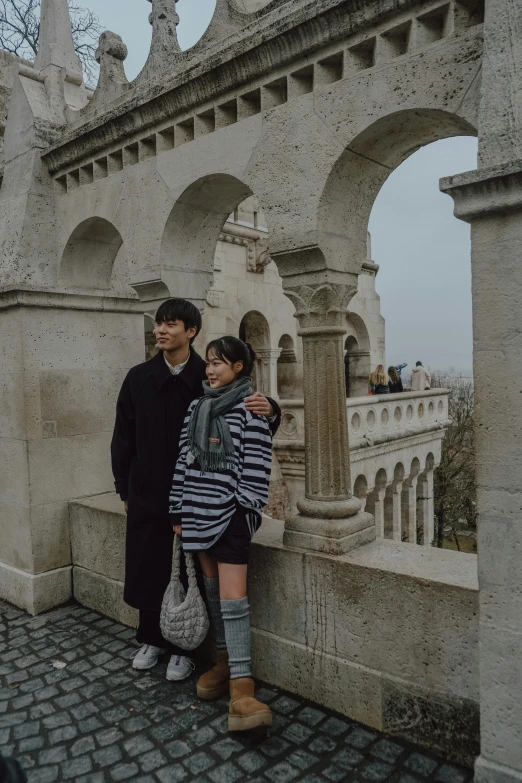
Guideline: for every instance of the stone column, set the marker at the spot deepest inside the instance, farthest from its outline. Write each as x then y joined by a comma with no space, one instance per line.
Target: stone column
490,199
425,498
409,508
397,514
329,518
380,496
267,370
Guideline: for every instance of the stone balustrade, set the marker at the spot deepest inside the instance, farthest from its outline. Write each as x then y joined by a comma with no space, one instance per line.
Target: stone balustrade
395,445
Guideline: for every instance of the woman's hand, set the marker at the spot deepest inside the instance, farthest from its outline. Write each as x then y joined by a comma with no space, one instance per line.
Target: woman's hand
177,529
259,405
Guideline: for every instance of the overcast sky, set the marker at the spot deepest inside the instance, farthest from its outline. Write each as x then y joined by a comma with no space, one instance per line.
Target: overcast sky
423,251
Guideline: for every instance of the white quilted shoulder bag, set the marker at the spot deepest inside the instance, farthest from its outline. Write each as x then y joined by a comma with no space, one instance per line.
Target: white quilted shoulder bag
184,618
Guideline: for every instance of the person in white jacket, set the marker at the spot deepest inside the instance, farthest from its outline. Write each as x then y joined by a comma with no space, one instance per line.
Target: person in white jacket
420,378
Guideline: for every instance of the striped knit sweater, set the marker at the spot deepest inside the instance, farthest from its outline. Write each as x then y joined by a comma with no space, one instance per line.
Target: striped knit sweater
207,501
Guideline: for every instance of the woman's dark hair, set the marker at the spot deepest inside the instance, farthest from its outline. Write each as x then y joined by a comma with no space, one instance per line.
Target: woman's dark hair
232,349
394,375
180,310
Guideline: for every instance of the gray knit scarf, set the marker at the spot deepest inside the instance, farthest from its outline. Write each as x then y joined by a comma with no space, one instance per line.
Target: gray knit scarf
209,438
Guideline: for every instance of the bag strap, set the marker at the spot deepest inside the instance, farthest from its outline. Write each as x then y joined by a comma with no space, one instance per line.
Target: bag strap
176,563
176,558
191,570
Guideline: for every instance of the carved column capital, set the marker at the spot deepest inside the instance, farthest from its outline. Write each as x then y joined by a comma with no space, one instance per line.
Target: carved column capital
321,306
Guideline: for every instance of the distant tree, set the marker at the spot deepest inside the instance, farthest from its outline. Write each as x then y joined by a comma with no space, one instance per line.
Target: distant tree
20,30
455,484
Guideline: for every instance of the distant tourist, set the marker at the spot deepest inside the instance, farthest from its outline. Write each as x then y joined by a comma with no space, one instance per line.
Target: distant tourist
151,409
420,378
378,382
219,489
395,382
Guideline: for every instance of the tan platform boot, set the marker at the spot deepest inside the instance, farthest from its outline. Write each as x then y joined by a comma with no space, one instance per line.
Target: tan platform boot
244,711
214,683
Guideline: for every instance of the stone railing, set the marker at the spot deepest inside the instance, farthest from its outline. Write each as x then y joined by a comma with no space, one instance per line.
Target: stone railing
395,445
378,419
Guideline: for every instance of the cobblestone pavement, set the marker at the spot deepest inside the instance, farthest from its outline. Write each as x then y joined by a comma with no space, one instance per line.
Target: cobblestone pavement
71,708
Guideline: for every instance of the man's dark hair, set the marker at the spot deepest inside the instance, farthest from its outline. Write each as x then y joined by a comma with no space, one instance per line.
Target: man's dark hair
232,349
419,364
180,310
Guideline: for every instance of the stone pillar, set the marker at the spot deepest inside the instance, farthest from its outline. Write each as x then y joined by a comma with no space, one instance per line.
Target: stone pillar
266,366
380,496
397,514
63,359
490,199
409,508
330,518
425,511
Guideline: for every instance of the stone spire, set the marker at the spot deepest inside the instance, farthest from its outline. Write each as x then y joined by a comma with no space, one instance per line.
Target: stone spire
56,46
165,50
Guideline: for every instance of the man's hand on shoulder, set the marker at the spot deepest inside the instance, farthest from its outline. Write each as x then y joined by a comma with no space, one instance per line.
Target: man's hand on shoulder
259,405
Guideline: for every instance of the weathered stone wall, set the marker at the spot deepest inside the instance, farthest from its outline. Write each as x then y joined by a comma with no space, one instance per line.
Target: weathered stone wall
387,635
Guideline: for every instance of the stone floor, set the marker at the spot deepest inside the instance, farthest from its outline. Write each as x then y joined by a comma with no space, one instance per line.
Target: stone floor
71,708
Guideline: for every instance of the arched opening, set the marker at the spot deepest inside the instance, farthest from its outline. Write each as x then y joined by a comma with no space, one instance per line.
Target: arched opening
287,383
90,254
357,357
192,232
418,248
254,329
362,169
360,489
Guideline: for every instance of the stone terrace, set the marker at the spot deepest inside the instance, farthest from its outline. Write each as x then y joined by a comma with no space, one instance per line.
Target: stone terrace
71,708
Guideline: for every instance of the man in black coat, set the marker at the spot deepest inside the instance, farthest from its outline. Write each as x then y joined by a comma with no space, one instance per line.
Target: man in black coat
150,412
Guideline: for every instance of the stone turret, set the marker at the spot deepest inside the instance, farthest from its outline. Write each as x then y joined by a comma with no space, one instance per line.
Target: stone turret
56,45
165,51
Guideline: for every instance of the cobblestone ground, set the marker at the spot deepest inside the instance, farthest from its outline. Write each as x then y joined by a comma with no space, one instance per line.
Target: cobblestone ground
71,708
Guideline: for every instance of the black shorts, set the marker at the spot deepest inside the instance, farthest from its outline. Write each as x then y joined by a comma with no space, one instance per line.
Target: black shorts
233,546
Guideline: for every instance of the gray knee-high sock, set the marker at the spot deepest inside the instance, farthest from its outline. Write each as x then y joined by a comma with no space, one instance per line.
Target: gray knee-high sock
214,604
236,616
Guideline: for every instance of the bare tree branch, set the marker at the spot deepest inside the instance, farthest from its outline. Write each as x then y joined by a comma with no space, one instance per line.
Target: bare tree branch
455,485
20,31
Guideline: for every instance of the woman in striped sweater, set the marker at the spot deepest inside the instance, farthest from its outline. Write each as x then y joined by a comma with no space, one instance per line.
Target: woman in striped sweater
219,489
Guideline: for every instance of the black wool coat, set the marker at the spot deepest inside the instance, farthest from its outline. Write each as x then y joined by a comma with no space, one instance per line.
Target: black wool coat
150,413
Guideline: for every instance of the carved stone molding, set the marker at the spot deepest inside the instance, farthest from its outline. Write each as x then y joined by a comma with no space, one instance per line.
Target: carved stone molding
476,194
215,297
323,304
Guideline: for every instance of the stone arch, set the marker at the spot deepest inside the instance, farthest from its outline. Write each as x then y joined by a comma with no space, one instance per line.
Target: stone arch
90,253
192,231
360,489
361,170
357,361
255,330
415,467
287,381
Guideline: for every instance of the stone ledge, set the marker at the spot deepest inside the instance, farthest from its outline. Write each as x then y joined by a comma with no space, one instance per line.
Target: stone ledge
36,593
98,301
489,772
104,595
443,566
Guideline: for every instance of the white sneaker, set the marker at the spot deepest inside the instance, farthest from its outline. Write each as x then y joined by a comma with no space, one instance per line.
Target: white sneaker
147,657
179,668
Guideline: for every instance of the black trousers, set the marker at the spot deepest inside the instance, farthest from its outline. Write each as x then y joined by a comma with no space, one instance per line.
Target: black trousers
149,632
